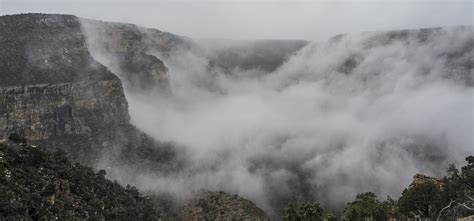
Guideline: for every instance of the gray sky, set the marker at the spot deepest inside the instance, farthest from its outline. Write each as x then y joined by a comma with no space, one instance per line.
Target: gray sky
261,19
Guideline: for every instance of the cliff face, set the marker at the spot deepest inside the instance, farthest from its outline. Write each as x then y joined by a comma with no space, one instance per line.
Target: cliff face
63,109
127,50
72,116
53,92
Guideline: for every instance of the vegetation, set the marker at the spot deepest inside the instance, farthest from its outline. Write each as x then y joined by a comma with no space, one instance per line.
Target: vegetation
40,185
420,200
367,207
429,198
308,211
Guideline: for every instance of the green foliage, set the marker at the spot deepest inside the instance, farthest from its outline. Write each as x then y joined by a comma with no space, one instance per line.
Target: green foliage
329,215
40,185
306,211
435,199
449,200
467,175
366,207
289,213
420,199
390,206
457,196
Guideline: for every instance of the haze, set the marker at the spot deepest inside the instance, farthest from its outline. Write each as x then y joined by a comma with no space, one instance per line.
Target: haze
263,19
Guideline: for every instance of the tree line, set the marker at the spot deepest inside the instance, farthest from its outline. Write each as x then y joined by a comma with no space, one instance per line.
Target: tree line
427,198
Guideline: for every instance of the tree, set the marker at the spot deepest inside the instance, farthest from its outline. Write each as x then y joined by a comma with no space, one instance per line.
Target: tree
468,173
329,216
366,207
457,197
305,212
420,199
289,213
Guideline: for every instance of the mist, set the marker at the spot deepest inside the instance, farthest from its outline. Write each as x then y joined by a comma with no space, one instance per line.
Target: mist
357,113
260,19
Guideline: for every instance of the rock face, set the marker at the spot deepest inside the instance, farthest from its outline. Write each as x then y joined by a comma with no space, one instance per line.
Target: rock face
64,114
127,49
53,92
421,178
62,109
221,206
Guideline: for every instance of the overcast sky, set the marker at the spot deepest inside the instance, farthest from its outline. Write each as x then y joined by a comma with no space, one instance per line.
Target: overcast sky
263,19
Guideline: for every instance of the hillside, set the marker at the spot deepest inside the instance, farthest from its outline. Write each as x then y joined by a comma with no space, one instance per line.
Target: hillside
41,185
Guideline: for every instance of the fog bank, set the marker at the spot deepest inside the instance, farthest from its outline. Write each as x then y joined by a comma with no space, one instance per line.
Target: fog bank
360,112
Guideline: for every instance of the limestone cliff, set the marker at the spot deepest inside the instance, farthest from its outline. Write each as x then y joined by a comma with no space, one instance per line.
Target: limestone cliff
52,91
67,114
128,50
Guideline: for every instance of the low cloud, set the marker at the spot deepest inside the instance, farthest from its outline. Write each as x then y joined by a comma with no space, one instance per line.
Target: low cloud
361,112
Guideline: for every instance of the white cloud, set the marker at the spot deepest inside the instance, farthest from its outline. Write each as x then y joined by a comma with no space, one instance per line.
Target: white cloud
310,131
